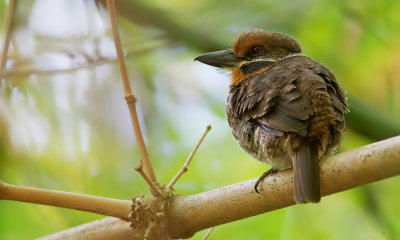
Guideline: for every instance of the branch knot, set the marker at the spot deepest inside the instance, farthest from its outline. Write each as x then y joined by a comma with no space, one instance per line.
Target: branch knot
148,214
130,98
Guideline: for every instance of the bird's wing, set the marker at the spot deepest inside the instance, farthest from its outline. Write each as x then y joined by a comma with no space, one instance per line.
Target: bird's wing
284,98
337,96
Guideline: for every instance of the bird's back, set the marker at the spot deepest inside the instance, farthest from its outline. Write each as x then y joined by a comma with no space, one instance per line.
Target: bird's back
296,96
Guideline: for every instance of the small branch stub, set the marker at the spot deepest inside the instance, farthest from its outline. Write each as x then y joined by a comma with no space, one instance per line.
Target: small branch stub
153,188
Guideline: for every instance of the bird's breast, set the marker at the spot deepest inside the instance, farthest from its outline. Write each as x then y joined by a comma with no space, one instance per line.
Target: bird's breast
262,145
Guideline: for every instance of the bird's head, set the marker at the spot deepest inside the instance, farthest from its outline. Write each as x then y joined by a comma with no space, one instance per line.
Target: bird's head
252,52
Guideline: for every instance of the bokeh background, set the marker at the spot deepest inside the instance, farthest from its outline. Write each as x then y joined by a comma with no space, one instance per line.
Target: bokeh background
64,123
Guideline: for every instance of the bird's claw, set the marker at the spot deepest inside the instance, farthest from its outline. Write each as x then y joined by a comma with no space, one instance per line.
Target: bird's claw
270,172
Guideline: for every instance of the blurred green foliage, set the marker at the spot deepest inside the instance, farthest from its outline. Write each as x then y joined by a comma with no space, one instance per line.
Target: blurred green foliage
64,124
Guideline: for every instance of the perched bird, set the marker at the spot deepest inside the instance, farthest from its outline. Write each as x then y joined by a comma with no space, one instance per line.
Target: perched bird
284,109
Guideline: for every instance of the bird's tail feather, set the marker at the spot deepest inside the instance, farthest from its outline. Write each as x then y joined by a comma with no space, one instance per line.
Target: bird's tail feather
306,173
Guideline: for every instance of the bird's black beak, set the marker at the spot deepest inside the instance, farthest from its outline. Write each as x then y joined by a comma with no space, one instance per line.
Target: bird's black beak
220,59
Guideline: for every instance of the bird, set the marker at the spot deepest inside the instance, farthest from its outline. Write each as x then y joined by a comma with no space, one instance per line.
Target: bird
285,109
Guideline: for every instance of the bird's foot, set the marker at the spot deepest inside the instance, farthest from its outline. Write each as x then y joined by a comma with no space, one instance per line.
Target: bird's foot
270,172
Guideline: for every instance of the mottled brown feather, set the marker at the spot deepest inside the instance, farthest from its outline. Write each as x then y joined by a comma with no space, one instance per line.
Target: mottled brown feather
284,108
295,96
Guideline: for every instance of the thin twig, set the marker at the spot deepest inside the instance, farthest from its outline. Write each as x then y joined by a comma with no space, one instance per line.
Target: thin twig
129,97
187,162
92,64
8,24
208,233
153,188
101,205
21,74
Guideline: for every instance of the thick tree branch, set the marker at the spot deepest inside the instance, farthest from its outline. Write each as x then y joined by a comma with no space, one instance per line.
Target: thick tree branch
341,172
189,214
106,228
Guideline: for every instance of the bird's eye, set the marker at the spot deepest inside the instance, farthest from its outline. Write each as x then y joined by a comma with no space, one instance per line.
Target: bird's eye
256,50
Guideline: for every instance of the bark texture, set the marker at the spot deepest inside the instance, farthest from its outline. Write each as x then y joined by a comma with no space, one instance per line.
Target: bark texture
190,214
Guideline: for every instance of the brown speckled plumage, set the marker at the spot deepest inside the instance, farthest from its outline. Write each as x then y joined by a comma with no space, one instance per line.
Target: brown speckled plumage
295,97
284,108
